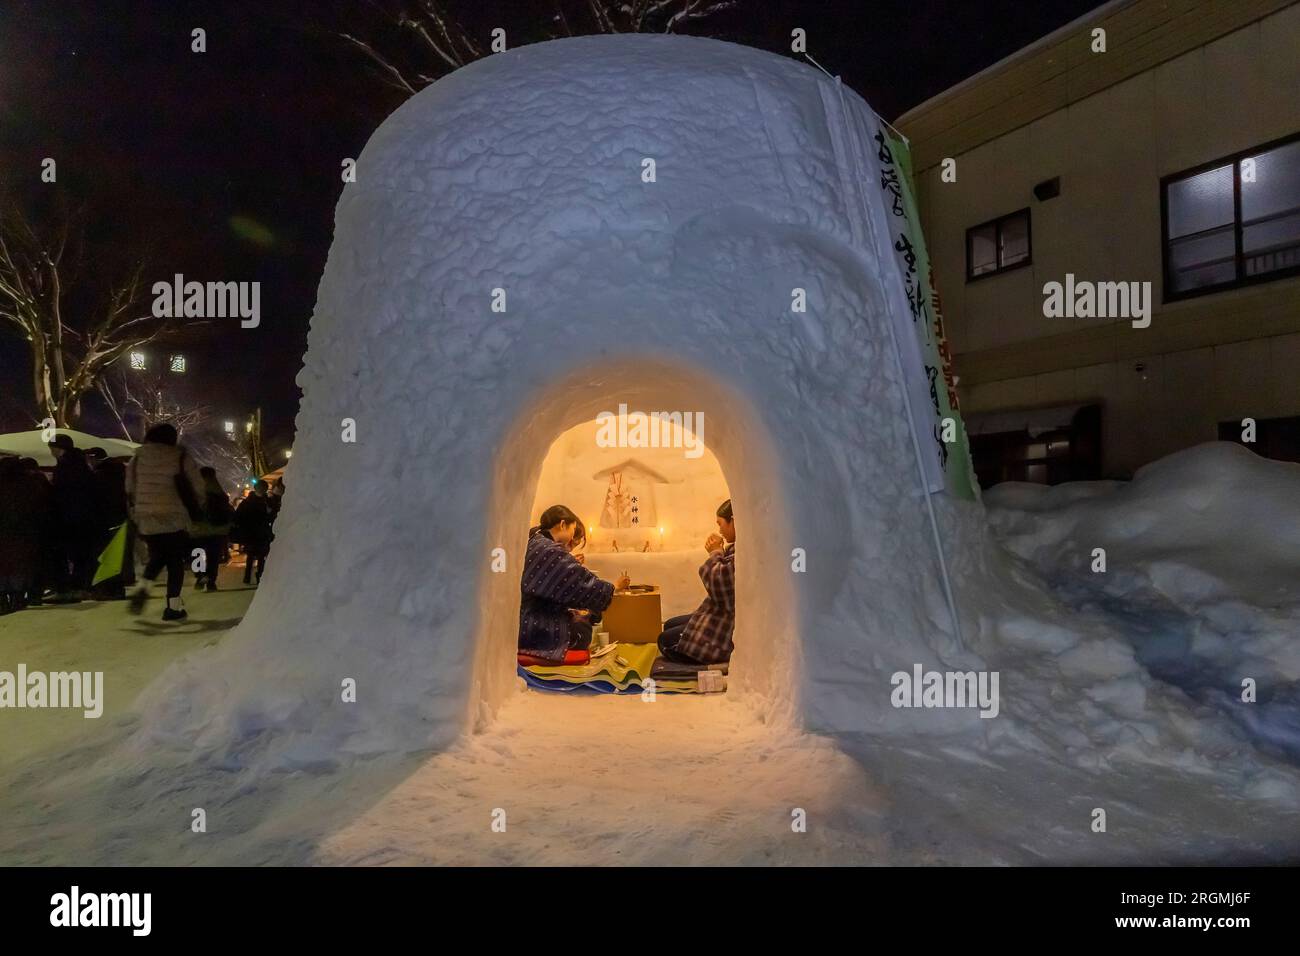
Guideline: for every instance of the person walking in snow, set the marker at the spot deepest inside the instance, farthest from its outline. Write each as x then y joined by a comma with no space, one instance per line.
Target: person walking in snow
554,583
252,529
164,490
705,637
210,533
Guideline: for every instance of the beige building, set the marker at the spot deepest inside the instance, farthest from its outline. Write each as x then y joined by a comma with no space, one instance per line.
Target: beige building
1173,157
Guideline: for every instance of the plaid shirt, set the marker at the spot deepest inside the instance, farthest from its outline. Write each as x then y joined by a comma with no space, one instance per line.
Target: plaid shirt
708,634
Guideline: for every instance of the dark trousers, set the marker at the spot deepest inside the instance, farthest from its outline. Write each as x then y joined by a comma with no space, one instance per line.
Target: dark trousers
672,633
248,567
77,566
128,556
167,551
214,550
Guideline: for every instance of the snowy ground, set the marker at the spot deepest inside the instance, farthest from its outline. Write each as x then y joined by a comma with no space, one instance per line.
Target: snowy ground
103,636
1198,584
605,780
619,780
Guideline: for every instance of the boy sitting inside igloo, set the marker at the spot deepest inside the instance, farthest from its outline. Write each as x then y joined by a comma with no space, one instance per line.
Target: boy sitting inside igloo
705,637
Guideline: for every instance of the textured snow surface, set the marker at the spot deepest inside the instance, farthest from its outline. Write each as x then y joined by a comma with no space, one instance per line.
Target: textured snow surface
1202,573
1203,526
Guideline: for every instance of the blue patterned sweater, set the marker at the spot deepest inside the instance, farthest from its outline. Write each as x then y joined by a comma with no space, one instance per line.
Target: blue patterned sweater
552,583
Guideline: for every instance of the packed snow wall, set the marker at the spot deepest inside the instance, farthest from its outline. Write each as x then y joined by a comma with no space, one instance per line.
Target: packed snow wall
506,267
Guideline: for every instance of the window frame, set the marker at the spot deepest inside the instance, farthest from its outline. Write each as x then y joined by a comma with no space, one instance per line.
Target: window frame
1242,280
996,223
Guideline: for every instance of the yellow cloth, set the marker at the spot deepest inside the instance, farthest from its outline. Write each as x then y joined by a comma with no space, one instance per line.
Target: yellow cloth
640,658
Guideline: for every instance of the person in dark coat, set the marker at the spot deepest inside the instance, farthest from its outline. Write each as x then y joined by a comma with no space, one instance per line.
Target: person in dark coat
110,488
252,529
584,621
554,583
51,552
211,533
25,521
275,497
78,526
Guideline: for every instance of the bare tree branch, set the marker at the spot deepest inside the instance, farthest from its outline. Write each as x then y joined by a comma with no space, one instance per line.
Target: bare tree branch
395,77
697,10
68,357
564,21
440,43
603,21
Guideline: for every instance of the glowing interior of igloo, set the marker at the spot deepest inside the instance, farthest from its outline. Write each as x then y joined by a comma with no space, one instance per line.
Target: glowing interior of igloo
552,451
647,489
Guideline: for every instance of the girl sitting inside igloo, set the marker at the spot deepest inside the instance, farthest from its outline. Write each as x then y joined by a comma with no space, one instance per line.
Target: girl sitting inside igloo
553,583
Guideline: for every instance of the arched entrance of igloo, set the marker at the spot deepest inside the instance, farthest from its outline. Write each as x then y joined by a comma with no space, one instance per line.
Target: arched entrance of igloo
765,668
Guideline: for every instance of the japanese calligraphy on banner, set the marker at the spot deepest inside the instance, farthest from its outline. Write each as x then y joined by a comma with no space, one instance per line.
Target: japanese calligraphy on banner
880,202
927,314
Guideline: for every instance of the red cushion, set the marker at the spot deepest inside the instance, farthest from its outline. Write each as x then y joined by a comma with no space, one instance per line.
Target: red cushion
570,657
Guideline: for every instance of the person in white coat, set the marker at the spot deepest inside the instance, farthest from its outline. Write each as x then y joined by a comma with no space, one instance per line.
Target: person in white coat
164,490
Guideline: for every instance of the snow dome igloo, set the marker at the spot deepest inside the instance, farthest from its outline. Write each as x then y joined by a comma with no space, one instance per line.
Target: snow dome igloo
505,269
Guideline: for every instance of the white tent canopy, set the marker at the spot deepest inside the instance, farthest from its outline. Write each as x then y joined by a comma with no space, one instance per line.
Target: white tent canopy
35,444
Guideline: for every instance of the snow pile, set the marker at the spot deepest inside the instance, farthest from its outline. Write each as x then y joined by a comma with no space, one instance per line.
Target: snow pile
1203,526
1202,572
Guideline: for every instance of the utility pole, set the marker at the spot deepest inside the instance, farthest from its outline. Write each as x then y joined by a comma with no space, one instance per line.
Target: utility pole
253,444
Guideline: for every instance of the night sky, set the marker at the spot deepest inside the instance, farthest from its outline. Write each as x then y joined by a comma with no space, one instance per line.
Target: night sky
225,165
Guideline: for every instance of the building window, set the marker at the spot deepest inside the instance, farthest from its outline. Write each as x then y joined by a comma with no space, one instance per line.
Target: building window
1233,222
998,245
1048,452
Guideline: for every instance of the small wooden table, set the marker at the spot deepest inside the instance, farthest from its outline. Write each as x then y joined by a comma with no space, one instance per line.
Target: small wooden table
634,616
